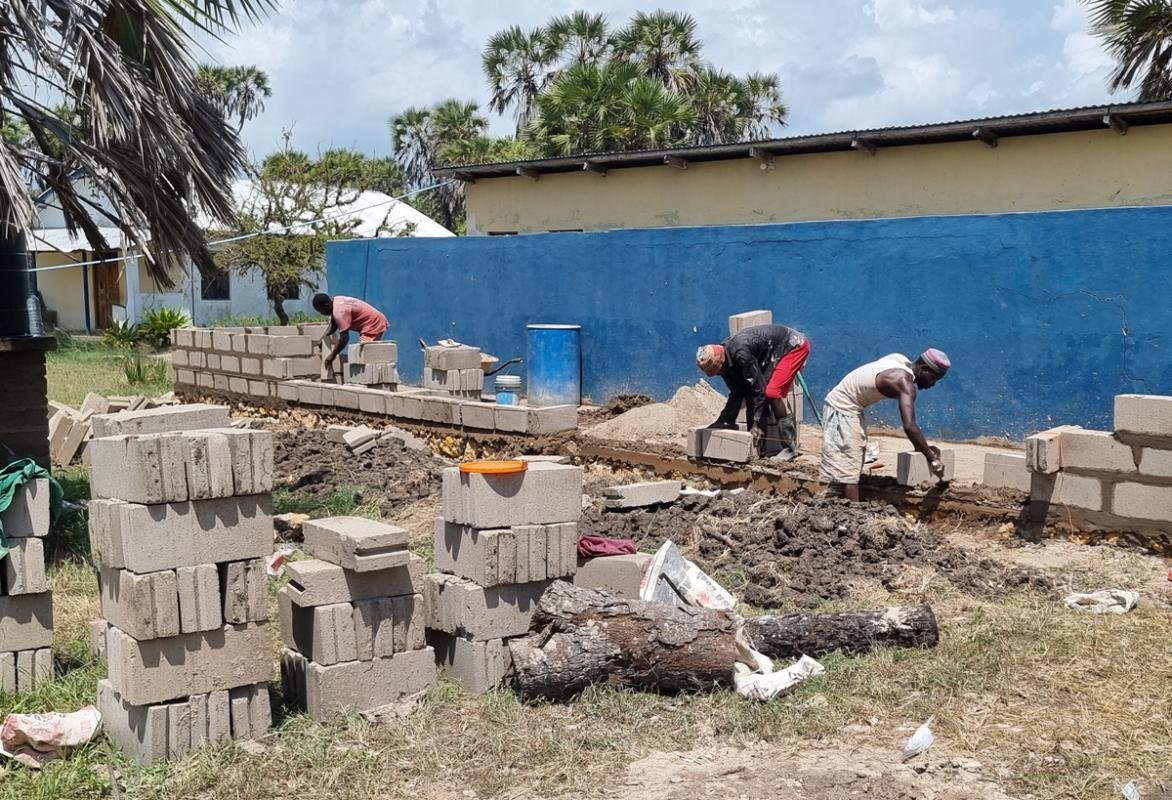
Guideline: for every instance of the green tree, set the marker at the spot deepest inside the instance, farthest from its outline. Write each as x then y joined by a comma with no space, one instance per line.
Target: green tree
1138,35
158,148
579,38
662,44
239,91
519,65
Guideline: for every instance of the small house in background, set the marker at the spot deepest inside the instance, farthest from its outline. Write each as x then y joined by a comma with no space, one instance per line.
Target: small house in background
80,295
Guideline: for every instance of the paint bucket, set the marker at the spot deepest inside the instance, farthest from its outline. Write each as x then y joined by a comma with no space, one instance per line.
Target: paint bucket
508,389
555,365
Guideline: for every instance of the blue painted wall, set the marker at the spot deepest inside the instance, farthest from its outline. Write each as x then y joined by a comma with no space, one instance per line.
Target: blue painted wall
1046,315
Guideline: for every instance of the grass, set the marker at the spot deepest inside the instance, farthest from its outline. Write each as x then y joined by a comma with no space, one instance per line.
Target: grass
344,501
79,367
238,321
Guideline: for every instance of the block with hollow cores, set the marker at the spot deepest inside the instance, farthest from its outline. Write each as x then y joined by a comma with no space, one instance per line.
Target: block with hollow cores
478,667
1043,450
1007,471
512,419
1144,414
329,692
314,582
911,468
1156,463
144,606
244,586
371,374
1143,502
144,538
551,419
358,544
170,730
1066,489
1098,451
28,513
638,495
479,416
520,554
25,670
26,621
621,575
200,606
454,380
159,670
544,494
748,319
374,353
447,358
720,445
23,569
460,607
161,420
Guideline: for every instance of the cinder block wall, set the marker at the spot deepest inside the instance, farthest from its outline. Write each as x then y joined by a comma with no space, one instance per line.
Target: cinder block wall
24,423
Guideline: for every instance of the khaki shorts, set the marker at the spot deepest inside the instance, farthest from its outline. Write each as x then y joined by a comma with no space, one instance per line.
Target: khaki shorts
844,445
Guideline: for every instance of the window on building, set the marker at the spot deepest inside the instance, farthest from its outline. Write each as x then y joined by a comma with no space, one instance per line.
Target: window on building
215,286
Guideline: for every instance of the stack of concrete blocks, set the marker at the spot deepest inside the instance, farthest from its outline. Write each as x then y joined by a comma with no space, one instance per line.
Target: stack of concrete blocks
26,604
180,528
374,365
911,468
455,371
353,620
250,362
1007,470
1117,481
502,540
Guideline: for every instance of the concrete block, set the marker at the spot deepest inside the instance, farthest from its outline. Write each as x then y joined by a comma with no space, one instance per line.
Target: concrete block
290,368
147,539
209,467
156,671
407,406
258,388
440,410
250,365
619,575
293,666
748,319
179,358
290,347
26,622
512,419
199,598
205,380
544,494
355,437
219,716
460,607
479,416
473,554
1095,450
551,419
389,625
258,344
638,495
912,467
309,394
447,358
332,691
314,330
221,383
374,401
213,361
1007,471
97,631
140,732
183,337
185,377
230,363
222,341
337,433
250,712
1143,502
1066,489
143,606
245,588
238,385
28,513
1156,463
374,353
1043,453
345,397
8,673
288,392
1144,414
358,544
478,667
720,445
323,634
315,583
178,729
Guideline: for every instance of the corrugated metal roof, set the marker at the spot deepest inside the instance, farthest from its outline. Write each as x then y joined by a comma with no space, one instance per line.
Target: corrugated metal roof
988,129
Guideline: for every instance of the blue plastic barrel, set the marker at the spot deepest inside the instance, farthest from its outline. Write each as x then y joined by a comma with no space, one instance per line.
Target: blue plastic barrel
555,365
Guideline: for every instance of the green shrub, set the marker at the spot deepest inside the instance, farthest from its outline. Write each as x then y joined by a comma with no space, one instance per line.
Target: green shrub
123,334
160,322
144,370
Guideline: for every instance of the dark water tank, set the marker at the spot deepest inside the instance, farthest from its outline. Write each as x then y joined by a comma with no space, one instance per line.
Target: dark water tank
14,284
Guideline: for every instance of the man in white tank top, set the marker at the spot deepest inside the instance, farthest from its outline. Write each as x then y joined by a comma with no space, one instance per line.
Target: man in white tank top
844,432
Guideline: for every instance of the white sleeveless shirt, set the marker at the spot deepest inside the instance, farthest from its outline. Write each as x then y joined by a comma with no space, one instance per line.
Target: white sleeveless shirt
858,390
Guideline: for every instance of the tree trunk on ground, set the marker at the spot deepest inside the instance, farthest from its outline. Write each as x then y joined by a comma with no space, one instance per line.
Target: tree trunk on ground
584,636
795,635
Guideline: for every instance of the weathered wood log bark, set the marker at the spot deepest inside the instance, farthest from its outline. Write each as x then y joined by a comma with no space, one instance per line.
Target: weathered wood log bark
795,635
584,636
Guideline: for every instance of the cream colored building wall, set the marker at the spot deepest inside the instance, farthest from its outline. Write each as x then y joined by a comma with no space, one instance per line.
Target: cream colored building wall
62,290
1091,169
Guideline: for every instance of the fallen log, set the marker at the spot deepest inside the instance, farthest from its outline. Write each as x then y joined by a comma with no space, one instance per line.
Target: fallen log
796,635
584,636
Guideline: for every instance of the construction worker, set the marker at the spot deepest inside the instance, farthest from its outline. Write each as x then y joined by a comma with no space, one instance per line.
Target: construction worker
844,432
349,314
759,366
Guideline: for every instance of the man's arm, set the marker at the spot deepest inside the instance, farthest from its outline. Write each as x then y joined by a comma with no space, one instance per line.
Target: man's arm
343,340
897,383
736,398
750,370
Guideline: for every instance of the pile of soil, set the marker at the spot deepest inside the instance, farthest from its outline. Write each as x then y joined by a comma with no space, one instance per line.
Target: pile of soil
305,462
622,403
691,407
806,553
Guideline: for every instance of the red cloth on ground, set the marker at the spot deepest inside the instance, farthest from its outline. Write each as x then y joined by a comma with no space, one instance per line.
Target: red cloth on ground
594,546
787,370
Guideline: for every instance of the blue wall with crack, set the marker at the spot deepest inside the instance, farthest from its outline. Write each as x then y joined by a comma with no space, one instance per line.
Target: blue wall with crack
1046,315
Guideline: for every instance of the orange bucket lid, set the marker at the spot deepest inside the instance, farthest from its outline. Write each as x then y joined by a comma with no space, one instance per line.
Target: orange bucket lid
494,467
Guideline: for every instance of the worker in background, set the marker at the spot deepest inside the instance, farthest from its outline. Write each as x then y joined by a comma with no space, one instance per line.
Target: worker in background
759,366
349,314
844,432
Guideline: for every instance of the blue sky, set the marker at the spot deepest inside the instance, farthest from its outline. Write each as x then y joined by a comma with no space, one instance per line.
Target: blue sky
341,68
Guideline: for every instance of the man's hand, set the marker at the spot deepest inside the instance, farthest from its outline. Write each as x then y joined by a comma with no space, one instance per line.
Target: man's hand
935,464
328,363
758,435
720,425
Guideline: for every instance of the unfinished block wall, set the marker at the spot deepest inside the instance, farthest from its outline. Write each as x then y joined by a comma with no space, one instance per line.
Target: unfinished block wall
180,528
352,620
501,541
1119,480
245,361
26,604
454,371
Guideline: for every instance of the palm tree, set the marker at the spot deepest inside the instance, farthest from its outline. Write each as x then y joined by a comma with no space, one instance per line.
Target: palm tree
518,66
240,91
1138,35
579,38
158,147
663,44
763,104
719,100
